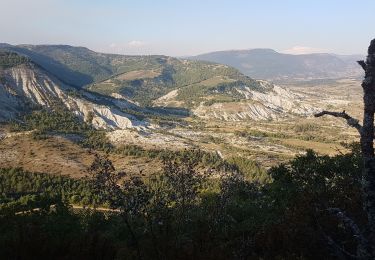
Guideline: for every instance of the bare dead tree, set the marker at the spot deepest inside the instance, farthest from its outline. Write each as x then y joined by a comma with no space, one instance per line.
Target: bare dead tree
366,247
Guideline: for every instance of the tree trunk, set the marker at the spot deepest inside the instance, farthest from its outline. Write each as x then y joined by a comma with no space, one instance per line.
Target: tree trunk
366,247
367,140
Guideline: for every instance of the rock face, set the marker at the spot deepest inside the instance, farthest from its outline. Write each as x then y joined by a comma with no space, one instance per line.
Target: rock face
27,85
272,103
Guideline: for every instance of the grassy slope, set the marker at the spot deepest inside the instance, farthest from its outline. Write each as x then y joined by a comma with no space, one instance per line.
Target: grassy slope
194,79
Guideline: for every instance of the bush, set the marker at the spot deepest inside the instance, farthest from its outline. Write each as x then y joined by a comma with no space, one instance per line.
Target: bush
98,140
306,127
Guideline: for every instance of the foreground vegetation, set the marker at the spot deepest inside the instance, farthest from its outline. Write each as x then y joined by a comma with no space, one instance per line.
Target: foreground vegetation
199,206
182,213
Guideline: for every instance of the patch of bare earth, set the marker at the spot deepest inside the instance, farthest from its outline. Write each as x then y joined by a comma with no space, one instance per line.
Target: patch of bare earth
60,156
139,74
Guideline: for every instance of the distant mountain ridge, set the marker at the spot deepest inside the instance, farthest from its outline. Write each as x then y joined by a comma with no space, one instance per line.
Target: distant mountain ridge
269,64
141,78
123,91
76,66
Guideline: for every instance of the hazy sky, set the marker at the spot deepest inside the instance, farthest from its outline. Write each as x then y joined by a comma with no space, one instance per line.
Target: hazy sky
188,27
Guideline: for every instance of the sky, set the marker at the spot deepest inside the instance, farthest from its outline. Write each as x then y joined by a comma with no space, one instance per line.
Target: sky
191,27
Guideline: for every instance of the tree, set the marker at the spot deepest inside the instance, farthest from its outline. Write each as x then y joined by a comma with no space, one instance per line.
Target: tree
366,245
127,195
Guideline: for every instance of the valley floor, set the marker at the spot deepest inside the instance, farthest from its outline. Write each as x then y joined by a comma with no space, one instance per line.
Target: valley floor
266,142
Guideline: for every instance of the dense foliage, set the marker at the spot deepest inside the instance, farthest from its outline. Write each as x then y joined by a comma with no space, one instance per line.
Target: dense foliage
11,59
61,121
19,189
183,213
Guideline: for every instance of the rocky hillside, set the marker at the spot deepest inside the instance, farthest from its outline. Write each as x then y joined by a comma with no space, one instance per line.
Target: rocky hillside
25,86
271,65
140,78
239,102
119,91
76,66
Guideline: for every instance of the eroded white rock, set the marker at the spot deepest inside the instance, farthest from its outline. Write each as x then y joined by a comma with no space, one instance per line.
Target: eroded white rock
29,85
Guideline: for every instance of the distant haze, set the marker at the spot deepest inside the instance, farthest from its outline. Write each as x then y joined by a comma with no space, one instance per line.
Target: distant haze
271,65
185,28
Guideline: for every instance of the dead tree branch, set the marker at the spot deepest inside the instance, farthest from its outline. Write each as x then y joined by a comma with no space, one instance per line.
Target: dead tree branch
349,120
362,64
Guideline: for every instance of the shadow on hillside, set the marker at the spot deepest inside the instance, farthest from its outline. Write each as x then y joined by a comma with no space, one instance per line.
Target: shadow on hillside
170,111
56,68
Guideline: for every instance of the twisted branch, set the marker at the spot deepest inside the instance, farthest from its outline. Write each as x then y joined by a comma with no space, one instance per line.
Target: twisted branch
349,120
362,63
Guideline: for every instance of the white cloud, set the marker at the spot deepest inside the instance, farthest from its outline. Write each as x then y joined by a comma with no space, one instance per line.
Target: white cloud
136,44
304,50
